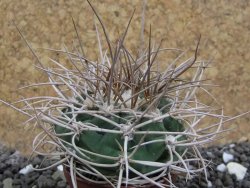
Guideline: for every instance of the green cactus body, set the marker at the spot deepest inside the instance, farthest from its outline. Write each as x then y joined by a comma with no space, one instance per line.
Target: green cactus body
107,143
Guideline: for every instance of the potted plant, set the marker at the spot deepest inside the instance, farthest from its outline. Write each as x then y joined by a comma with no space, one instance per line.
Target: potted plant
121,122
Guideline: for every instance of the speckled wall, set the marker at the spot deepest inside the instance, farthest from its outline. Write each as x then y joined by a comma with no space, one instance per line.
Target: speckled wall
223,25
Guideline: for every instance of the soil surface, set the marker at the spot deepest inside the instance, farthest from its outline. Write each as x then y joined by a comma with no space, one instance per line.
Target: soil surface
11,162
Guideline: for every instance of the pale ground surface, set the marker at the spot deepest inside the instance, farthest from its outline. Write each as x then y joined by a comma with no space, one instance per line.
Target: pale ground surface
224,26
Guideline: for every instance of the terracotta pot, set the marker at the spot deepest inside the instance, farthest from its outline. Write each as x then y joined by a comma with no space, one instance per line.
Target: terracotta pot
82,183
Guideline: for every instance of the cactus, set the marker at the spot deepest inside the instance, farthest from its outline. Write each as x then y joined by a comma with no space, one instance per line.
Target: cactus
121,121
107,144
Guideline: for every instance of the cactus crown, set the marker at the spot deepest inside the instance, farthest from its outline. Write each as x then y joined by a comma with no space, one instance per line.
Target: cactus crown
120,120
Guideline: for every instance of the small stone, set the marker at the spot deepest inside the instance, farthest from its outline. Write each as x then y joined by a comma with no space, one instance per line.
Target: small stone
243,158
7,183
47,172
237,169
227,181
217,152
221,168
17,176
218,183
234,178
3,157
45,182
8,173
23,164
227,157
57,175
220,175
15,169
28,180
239,149
60,167
236,160
34,175
27,169
232,145
46,163
210,155
245,164
203,184
41,180
232,151
246,184
17,182
61,184
209,184
36,161
2,167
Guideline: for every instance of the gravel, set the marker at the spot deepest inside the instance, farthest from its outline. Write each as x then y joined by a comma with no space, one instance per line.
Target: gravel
218,179
11,162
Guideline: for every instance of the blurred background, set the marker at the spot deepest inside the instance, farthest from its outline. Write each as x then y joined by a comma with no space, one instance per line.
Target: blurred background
224,27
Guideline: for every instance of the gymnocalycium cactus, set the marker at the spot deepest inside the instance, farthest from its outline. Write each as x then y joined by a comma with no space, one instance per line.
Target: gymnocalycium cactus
121,121
105,143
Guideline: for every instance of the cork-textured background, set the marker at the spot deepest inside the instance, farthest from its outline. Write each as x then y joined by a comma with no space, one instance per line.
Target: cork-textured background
223,25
